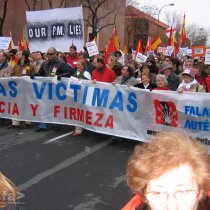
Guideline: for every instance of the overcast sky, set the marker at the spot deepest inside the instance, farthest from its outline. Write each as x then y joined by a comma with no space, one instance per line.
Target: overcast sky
195,11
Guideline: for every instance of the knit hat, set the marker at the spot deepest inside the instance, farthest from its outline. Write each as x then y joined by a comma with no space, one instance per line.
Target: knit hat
190,72
165,66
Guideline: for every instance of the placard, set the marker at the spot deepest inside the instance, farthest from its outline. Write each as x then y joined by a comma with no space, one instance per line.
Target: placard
92,48
4,42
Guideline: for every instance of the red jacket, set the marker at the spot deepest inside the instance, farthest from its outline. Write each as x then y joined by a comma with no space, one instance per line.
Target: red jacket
72,60
107,75
136,201
204,81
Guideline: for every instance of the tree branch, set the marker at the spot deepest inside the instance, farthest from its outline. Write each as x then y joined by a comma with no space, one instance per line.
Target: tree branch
110,24
5,11
61,3
107,14
27,5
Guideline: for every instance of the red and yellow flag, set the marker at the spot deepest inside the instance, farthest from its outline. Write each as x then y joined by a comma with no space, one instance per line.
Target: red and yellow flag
109,49
148,46
183,34
25,44
139,47
156,43
172,42
125,50
116,40
20,44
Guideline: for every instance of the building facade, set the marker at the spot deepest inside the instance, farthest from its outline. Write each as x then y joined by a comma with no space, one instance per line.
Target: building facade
139,25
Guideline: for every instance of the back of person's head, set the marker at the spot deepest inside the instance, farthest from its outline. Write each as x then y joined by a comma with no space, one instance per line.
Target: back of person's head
13,52
26,54
100,60
62,57
175,61
118,54
8,191
164,152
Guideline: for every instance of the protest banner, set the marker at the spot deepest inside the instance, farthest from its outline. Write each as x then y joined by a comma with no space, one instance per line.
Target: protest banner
117,110
4,42
92,48
57,28
169,50
140,58
150,53
207,57
198,51
161,50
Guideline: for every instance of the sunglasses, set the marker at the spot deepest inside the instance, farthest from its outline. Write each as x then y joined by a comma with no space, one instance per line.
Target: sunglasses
50,54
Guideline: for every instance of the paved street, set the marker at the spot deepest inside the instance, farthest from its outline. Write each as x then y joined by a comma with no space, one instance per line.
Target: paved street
55,171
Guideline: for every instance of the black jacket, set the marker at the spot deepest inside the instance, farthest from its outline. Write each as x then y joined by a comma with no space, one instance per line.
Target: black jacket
55,67
150,87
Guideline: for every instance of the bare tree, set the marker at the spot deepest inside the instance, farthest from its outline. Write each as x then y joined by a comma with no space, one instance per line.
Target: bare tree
2,18
197,34
50,2
132,3
130,29
33,3
97,16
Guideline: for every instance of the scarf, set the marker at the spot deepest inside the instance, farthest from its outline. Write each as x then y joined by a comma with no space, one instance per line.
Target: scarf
187,86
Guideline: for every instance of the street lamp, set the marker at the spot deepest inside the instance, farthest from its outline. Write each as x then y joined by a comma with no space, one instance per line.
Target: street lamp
171,5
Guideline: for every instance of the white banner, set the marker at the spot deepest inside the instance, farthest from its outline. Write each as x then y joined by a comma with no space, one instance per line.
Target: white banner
57,28
105,108
4,42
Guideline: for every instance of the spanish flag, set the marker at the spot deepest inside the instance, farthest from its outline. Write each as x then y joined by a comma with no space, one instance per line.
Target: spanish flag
156,43
148,46
125,50
139,47
172,42
116,40
183,34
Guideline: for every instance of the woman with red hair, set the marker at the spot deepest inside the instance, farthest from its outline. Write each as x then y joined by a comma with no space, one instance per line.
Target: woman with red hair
170,172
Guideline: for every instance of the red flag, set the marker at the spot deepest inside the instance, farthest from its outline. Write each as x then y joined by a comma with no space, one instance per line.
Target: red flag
156,43
183,35
109,49
148,46
20,44
139,47
172,42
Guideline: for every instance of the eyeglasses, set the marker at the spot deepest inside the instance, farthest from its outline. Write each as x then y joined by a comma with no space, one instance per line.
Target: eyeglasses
50,54
180,196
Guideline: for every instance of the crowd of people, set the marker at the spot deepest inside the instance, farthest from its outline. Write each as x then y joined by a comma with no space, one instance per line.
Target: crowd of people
159,72
182,178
